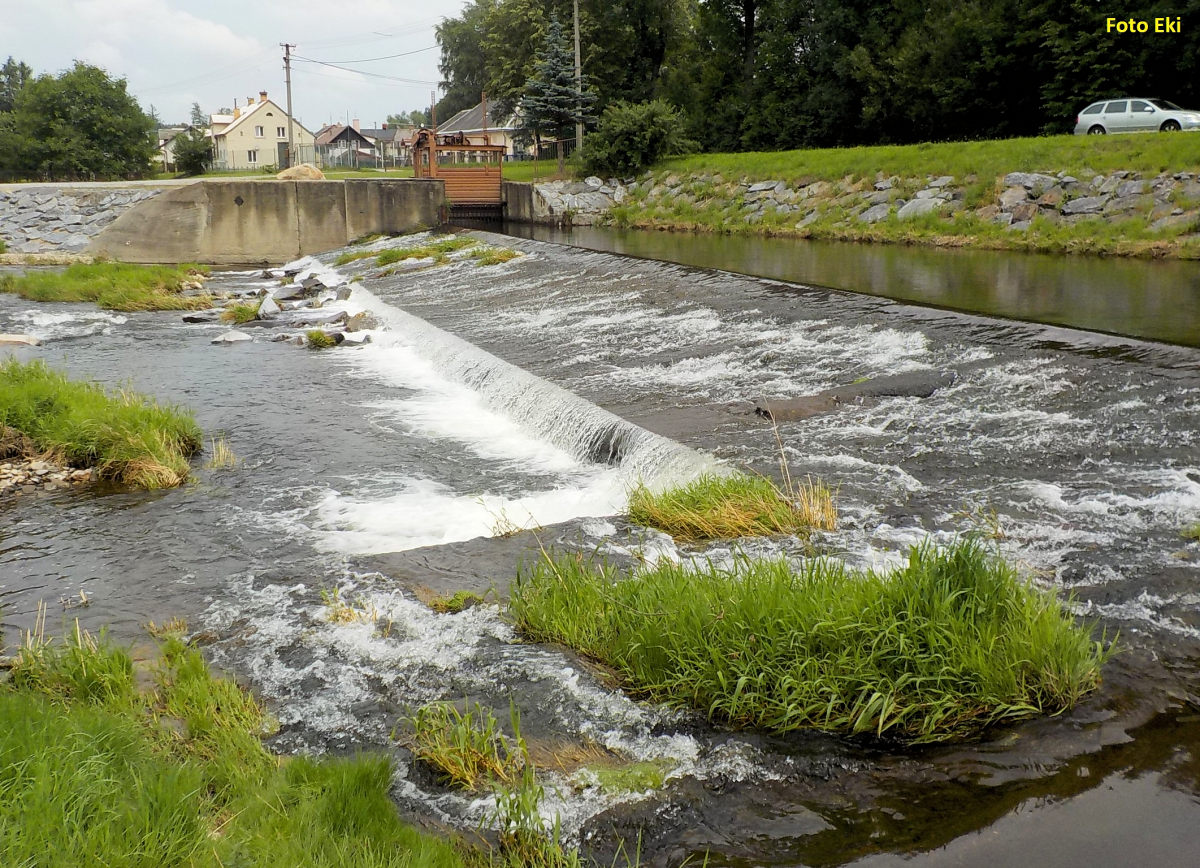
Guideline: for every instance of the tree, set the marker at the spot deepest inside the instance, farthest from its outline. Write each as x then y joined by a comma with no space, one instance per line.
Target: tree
414,118
552,104
80,124
198,117
193,152
13,77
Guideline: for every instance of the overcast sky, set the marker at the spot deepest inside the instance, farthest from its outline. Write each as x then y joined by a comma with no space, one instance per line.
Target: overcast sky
176,52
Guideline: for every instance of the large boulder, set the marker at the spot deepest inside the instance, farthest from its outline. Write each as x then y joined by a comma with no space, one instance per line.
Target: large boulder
303,172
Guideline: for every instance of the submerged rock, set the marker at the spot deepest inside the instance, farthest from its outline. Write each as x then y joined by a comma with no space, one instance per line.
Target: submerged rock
917,384
20,340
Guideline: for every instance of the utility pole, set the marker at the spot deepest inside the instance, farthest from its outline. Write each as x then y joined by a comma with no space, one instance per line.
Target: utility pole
287,77
578,82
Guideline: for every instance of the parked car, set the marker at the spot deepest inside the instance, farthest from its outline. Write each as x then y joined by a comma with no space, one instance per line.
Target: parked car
1135,115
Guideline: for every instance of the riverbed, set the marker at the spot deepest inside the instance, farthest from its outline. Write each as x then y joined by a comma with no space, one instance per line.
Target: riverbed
483,405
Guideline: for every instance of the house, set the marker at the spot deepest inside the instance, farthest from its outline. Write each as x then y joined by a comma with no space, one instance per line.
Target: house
345,145
494,129
256,137
165,157
393,144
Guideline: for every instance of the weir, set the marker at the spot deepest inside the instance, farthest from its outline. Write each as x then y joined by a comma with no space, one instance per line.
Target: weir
259,222
588,432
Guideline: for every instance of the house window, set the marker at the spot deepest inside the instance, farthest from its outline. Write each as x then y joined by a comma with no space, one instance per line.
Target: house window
252,157
281,132
258,132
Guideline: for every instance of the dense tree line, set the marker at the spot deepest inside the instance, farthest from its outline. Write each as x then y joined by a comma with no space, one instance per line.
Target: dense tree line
78,125
767,74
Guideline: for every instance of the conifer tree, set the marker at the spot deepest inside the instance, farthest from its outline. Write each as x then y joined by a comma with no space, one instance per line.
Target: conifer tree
551,105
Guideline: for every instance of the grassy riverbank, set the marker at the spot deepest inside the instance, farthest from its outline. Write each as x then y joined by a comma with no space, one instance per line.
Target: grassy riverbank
826,193
127,437
114,286
938,649
99,766
1081,156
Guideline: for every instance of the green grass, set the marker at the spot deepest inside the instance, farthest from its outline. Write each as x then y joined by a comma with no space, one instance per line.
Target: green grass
726,507
240,312
455,603
1191,532
319,340
935,650
1081,156
127,437
467,748
112,285
439,251
175,775
494,255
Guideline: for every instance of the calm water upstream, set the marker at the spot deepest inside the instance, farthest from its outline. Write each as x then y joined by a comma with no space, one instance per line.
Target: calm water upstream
487,400
1155,300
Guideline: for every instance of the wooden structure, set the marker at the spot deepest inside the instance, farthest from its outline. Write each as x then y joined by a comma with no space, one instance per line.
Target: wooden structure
469,166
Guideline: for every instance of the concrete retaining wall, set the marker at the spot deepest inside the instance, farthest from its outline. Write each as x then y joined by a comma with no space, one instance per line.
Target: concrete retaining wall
243,222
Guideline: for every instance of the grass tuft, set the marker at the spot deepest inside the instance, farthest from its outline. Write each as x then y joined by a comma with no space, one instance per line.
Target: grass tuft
319,340
439,251
240,312
938,649
114,286
127,437
457,602
494,256
1191,532
222,457
724,507
467,748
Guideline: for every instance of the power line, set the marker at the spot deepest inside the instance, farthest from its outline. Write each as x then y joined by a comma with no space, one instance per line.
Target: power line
384,57
363,72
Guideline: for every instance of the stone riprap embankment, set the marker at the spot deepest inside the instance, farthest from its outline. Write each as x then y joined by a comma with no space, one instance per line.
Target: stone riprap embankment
29,476
62,219
1167,203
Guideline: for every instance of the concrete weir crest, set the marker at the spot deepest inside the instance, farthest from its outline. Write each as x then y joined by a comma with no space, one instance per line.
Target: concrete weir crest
251,221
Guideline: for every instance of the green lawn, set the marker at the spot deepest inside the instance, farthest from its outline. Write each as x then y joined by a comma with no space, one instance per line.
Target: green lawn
1076,155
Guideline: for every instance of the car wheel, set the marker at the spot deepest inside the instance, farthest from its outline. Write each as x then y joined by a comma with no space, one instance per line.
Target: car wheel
1170,127
1097,130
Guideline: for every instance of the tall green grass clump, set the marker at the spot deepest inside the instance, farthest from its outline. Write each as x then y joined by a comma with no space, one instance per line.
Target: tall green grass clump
127,437
726,507
175,774
113,285
467,747
938,649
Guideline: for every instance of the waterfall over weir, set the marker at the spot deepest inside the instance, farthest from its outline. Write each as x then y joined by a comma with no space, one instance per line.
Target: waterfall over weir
585,431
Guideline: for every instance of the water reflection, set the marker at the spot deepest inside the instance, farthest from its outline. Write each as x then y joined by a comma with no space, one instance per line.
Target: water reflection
1155,300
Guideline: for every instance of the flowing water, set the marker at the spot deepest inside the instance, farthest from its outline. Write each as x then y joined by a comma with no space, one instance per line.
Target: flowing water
535,393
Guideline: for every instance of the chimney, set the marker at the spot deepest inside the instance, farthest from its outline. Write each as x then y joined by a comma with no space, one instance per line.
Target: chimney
384,127
356,123
249,101
262,96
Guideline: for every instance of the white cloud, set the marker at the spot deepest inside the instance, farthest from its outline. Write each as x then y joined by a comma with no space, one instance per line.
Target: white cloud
176,52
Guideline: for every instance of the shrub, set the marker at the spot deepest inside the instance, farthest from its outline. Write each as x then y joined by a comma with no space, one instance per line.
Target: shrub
631,136
939,648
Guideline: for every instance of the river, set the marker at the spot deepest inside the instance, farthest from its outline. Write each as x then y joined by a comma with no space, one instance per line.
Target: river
485,403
